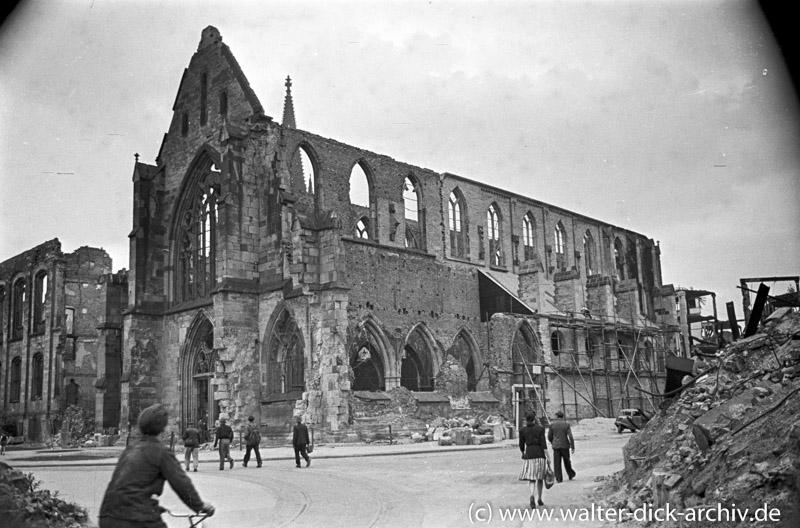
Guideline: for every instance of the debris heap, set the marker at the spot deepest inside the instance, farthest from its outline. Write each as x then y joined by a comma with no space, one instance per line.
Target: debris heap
729,441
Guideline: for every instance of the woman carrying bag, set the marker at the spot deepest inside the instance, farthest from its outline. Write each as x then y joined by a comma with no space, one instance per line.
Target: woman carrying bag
535,458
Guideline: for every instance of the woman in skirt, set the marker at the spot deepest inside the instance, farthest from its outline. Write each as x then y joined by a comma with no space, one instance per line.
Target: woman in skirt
535,457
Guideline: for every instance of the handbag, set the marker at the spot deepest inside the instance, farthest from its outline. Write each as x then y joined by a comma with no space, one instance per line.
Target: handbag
549,477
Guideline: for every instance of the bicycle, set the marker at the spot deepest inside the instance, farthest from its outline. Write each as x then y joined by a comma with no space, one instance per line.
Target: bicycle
195,519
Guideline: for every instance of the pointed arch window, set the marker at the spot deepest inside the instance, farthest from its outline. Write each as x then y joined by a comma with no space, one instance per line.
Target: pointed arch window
631,260
360,189
15,381
39,300
303,173
37,375
362,229
410,200
455,209
590,254
493,236
619,259
17,308
286,369
560,247
414,223
197,235
529,236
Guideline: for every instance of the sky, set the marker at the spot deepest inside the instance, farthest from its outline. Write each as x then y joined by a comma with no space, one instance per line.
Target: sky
676,120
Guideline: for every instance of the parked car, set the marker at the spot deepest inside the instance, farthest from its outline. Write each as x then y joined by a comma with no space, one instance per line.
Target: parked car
633,419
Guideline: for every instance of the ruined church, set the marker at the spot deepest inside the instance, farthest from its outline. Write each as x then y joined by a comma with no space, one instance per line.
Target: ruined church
275,272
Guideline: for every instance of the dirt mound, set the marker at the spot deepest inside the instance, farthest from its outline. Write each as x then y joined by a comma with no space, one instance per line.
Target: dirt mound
726,452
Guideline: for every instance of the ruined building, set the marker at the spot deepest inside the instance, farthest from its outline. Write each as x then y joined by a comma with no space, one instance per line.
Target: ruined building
60,338
262,282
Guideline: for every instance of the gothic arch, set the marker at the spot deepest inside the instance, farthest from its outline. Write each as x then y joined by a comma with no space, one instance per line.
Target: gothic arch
420,359
471,361
297,172
525,351
371,360
198,362
283,353
193,233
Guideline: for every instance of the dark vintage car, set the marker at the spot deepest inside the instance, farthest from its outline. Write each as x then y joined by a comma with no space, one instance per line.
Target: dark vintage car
633,419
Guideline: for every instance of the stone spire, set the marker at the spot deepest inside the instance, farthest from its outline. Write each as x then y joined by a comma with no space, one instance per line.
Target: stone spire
288,106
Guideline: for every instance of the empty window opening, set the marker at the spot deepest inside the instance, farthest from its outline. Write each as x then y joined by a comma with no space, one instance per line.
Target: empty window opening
589,253
410,200
362,229
560,247
198,237
556,342
40,298
493,235
303,172
528,236
619,259
455,210
359,186
17,305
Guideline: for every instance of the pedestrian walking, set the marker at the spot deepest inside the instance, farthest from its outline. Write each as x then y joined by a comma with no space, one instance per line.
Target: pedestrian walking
300,442
560,436
131,499
224,438
253,438
535,457
3,443
191,445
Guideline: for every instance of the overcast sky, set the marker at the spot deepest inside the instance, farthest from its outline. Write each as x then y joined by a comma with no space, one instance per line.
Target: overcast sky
677,120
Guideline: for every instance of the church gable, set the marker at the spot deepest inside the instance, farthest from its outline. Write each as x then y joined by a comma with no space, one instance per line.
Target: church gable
213,92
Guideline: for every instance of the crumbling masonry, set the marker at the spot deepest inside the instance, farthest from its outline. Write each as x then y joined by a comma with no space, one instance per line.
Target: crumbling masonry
262,283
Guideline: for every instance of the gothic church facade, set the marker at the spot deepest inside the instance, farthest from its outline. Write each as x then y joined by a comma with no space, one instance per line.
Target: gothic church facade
261,284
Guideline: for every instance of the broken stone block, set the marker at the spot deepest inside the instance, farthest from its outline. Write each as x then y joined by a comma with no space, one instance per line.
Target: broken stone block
702,437
445,441
672,480
461,436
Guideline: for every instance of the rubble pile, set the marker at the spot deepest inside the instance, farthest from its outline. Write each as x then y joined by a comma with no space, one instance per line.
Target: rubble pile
465,431
23,504
729,441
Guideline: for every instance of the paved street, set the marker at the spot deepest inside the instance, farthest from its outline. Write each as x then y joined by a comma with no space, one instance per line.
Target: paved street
354,486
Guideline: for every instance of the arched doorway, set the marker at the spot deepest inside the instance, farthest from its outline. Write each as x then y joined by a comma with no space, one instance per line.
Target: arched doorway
199,365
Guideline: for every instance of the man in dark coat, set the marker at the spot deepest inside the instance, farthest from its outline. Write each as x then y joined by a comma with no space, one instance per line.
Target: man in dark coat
300,442
560,436
224,439
253,438
191,445
130,499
